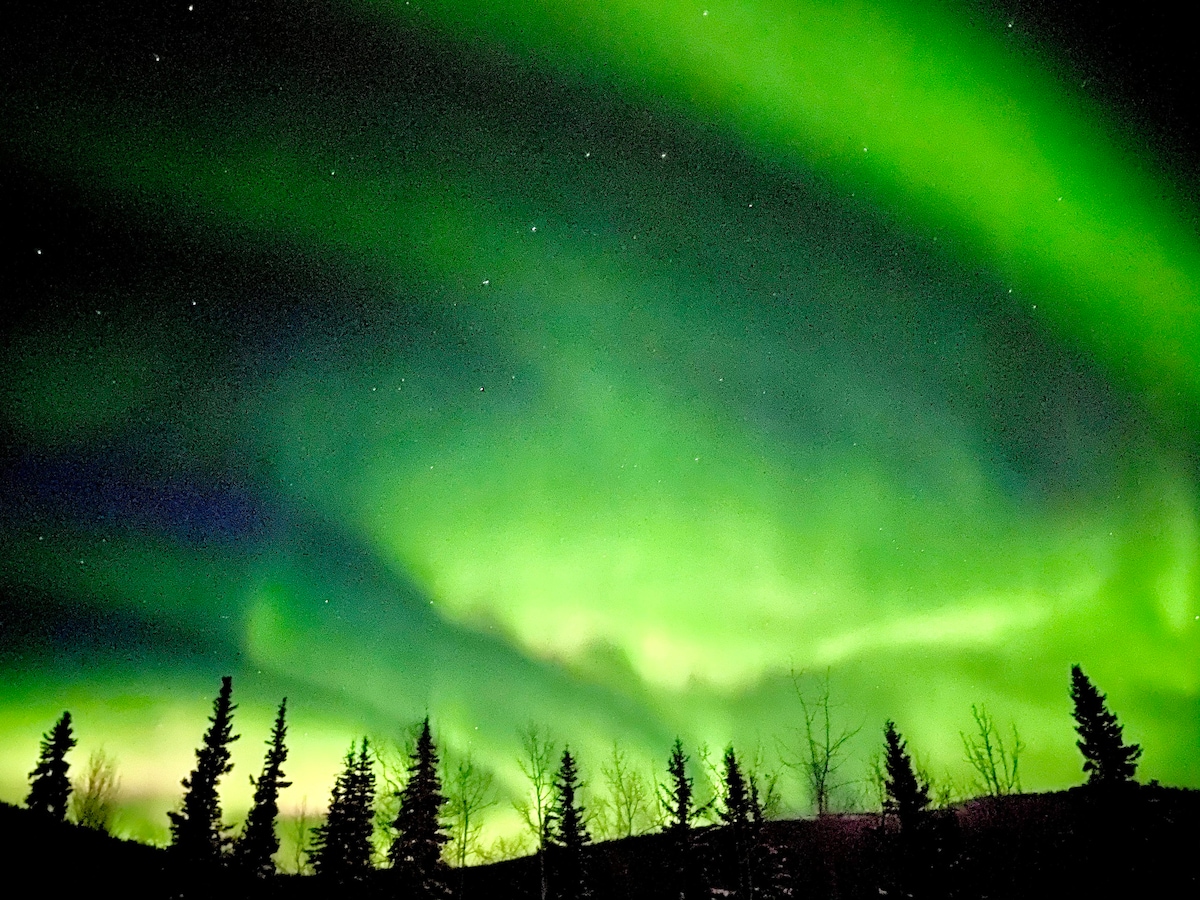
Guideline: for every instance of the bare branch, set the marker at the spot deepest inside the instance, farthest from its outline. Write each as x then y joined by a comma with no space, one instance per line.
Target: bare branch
468,794
93,802
509,846
299,830
537,764
823,747
764,785
710,787
995,764
877,780
628,795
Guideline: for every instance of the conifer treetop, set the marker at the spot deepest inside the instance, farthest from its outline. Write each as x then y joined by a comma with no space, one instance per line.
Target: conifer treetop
568,834
342,844
1107,758
568,825
416,851
678,797
197,832
49,786
258,843
907,796
736,809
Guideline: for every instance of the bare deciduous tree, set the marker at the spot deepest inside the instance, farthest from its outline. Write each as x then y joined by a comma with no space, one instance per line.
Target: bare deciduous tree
468,791
994,763
93,802
508,846
711,786
537,763
823,747
944,792
299,831
763,781
629,798
876,781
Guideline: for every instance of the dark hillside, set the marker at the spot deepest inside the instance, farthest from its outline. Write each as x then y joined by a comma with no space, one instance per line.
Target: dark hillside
45,858
65,859
1138,840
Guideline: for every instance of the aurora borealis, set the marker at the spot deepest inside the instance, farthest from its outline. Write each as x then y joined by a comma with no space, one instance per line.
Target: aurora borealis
593,366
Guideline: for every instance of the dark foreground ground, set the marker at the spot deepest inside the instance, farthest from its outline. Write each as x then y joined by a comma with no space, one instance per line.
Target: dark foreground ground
1143,842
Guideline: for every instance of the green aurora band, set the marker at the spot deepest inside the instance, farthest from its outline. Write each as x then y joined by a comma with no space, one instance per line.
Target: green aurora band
597,366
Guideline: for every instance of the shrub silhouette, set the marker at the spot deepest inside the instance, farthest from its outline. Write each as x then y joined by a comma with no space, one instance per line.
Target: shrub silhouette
93,803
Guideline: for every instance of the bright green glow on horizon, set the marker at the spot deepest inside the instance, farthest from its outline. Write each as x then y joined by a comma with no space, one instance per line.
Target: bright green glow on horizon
721,435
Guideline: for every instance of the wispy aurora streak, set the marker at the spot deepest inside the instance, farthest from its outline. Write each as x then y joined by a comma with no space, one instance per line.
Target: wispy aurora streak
596,367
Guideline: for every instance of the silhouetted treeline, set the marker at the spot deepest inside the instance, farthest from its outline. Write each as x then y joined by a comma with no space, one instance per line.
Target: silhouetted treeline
1094,839
1071,843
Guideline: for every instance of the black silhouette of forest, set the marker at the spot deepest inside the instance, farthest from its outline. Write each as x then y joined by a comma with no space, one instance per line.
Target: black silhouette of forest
1109,836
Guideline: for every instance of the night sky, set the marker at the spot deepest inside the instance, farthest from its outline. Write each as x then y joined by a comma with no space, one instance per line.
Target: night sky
596,366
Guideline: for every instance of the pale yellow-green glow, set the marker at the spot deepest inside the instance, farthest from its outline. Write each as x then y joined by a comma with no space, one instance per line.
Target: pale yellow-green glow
151,735
979,622
556,523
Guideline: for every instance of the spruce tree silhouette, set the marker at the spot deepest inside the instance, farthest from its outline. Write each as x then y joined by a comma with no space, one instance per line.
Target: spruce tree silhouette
678,799
49,786
910,853
342,844
537,765
258,844
197,833
678,803
416,851
736,808
906,796
568,833
739,810
1108,760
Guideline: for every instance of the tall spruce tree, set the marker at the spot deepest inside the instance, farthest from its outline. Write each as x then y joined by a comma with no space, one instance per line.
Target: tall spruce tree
678,798
342,844
736,808
1107,758
197,833
920,854
258,844
679,807
568,835
49,786
416,851
739,810
906,795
